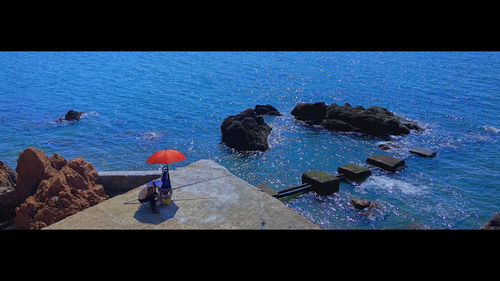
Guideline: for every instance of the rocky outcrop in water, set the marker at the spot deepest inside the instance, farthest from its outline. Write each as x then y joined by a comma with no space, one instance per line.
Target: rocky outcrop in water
52,188
245,131
71,116
375,120
266,110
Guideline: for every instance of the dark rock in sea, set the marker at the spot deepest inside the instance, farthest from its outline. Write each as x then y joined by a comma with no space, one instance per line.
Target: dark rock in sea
314,113
322,183
71,116
492,224
362,204
386,162
375,120
423,152
245,131
337,125
354,172
266,110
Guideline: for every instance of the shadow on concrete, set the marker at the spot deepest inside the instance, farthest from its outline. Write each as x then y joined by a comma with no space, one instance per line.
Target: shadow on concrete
166,212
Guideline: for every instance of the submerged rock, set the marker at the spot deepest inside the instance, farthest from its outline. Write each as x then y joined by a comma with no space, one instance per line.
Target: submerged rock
71,116
362,204
375,120
388,146
53,188
245,131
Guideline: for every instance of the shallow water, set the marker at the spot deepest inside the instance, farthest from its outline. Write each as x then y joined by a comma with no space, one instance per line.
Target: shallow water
138,102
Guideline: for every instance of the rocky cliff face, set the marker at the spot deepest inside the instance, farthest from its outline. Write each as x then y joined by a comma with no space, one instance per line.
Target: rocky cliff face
53,188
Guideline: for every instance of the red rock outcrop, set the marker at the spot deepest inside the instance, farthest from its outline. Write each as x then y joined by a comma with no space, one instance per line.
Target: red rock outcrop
60,188
33,166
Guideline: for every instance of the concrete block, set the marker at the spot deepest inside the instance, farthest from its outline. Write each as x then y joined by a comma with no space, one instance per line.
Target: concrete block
423,152
118,182
354,172
322,182
386,162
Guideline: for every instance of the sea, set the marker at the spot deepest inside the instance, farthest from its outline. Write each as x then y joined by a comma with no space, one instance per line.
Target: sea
136,103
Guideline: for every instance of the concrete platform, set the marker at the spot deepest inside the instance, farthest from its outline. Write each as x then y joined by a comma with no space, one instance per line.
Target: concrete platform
216,200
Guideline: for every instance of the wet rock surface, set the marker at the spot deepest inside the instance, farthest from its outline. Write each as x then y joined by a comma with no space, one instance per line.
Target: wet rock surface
388,145
375,120
362,204
245,131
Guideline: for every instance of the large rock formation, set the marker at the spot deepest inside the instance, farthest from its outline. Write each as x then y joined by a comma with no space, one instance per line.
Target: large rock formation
375,120
245,131
54,188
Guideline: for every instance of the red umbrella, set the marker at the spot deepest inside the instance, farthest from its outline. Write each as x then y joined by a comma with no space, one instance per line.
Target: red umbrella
166,156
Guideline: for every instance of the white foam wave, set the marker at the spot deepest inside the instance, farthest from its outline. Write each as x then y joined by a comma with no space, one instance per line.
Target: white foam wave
392,185
492,129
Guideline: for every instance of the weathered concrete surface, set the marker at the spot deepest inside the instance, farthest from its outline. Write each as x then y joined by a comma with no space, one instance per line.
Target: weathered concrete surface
386,162
117,182
217,200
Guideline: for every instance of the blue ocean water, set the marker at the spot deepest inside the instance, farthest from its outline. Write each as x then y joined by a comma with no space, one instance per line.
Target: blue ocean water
136,103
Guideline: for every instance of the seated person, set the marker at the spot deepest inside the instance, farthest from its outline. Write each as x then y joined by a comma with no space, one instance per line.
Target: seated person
148,194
